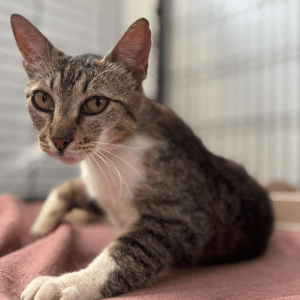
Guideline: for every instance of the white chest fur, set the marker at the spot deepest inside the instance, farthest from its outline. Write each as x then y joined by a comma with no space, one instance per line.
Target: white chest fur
111,178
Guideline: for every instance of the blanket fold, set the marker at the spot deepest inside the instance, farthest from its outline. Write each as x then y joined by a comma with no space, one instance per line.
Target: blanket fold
10,226
274,276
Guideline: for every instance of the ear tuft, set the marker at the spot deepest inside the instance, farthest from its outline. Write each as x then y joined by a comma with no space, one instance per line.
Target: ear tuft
32,44
133,48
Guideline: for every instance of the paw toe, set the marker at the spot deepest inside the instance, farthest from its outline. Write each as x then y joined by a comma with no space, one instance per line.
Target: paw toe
32,288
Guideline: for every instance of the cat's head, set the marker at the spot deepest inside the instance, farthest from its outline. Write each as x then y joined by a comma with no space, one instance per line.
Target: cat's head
83,103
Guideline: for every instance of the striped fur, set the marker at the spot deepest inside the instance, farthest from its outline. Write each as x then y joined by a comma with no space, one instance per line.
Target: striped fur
174,202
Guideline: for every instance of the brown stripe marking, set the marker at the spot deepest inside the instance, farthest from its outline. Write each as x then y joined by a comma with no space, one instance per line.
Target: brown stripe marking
126,108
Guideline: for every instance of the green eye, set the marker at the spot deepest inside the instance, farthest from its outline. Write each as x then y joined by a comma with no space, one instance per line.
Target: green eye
94,105
42,101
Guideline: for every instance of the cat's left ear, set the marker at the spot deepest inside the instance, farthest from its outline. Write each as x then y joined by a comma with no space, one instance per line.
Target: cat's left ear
133,49
33,45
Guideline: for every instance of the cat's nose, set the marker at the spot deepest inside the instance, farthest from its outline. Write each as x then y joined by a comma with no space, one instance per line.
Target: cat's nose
61,144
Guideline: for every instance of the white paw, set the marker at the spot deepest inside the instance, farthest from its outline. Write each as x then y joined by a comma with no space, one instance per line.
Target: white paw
70,286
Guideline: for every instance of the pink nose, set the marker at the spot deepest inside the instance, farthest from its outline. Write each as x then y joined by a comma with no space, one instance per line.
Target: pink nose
61,144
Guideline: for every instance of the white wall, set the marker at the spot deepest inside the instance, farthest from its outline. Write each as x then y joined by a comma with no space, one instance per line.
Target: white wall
75,27
235,79
136,9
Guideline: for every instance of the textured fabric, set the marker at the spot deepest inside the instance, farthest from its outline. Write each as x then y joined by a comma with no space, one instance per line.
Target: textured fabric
274,276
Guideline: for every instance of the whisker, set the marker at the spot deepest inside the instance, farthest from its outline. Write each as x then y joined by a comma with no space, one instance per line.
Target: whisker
109,168
105,177
113,168
122,179
121,158
89,159
110,186
116,169
118,145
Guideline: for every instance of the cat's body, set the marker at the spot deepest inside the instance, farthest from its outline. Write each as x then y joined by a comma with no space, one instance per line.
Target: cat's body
174,202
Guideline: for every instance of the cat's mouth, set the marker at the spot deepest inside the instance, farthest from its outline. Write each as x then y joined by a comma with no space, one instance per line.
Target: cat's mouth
67,157
71,158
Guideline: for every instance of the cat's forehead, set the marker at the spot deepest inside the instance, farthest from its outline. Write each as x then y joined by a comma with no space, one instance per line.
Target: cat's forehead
74,74
85,75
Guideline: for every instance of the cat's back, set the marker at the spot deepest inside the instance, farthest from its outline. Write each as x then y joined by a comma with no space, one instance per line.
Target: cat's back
160,122
209,192
222,178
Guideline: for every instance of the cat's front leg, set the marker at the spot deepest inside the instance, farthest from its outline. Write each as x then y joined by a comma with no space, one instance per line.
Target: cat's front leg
84,284
62,200
131,262
71,286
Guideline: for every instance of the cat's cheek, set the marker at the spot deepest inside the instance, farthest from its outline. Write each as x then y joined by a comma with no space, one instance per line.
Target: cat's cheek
37,120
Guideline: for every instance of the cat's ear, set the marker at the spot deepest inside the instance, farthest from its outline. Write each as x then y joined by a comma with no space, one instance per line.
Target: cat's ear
133,49
32,44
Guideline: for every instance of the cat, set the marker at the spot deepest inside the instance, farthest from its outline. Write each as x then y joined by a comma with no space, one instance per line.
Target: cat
173,202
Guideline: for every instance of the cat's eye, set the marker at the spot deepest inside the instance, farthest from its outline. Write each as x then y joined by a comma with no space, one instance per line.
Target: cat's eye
94,105
42,101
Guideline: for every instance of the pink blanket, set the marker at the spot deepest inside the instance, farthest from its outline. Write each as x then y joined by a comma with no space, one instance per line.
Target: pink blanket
276,275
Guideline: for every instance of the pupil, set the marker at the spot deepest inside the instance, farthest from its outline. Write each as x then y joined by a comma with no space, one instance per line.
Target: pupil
98,102
44,98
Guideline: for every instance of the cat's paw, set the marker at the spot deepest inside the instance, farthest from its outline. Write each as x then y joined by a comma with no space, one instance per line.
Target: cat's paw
50,215
33,287
70,286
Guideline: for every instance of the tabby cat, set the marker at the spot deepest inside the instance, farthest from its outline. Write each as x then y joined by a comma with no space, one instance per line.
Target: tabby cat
174,202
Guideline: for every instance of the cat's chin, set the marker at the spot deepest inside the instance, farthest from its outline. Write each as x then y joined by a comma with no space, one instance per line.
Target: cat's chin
70,160
66,157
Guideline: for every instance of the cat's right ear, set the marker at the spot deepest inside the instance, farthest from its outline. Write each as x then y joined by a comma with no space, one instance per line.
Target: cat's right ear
133,49
33,45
